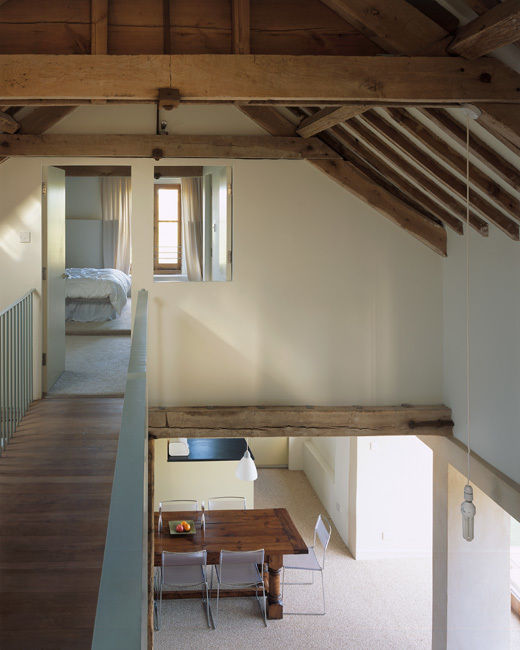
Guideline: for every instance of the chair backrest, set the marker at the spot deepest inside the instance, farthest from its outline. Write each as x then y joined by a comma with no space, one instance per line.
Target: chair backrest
322,531
242,557
173,505
226,503
235,567
171,560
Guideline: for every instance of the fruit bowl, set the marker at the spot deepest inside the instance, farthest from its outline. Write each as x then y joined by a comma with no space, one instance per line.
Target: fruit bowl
174,524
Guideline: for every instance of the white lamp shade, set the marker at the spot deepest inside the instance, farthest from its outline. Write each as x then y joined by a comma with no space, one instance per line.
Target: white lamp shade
246,468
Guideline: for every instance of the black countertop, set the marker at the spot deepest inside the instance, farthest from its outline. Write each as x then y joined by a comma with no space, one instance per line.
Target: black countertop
206,449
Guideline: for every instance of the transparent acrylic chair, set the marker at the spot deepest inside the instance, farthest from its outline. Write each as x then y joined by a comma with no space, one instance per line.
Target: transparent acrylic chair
172,505
310,562
183,571
239,570
226,503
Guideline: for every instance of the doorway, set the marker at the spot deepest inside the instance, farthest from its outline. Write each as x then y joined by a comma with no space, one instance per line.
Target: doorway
87,279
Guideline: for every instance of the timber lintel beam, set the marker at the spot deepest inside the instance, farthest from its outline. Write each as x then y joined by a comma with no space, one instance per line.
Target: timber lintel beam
265,421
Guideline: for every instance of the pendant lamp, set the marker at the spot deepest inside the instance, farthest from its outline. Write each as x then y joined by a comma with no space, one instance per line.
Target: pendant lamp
467,507
246,469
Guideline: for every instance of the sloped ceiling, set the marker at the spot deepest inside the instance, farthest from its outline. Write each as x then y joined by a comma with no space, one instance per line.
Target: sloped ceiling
406,158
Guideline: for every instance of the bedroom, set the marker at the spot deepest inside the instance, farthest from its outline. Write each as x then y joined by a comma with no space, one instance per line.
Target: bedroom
92,355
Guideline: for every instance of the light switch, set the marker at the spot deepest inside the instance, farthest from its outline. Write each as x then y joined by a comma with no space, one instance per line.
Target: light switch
25,237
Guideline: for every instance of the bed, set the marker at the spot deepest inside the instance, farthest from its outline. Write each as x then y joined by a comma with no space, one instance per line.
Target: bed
95,294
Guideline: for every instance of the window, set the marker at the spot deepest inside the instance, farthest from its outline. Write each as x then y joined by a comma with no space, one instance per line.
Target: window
167,229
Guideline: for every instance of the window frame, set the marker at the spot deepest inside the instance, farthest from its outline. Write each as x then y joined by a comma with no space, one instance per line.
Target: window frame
172,269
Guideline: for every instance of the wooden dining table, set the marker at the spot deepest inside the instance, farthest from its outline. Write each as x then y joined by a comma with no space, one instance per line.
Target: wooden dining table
237,530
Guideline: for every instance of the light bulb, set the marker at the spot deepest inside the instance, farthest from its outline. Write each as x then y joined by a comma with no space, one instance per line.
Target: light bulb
468,511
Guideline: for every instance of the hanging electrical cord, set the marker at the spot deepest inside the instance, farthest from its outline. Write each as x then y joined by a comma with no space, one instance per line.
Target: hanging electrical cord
467,507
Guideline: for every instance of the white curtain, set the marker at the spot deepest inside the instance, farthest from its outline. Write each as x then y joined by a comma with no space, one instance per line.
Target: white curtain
191,199
115,210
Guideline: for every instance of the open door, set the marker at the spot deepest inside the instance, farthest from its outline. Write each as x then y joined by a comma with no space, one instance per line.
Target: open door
217,187
53,204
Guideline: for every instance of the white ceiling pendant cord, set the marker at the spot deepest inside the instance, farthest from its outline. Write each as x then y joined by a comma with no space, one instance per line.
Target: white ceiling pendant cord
467,507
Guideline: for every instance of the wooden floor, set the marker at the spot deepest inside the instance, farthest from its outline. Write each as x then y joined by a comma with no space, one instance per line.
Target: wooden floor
55,483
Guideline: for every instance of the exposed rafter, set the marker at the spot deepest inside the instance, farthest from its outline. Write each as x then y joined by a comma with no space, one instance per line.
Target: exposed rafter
442,175
456,161
422,180
497,27
99,26
40,120
402,29
479,148
417,192
503,124
395,25
241,27
362,183
328,117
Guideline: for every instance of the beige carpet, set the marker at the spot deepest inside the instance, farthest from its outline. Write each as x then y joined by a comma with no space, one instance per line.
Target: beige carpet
94,365
371,604
120,325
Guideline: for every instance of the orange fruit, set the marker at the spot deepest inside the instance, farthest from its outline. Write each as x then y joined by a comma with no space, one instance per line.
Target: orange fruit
186,526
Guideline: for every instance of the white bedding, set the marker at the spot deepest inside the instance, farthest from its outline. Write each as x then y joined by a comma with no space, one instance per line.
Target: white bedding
98,283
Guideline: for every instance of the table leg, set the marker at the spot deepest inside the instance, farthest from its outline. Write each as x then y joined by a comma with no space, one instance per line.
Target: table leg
274,597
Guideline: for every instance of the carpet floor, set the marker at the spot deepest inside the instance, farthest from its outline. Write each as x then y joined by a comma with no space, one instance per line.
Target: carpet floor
94,365
370,604
122,324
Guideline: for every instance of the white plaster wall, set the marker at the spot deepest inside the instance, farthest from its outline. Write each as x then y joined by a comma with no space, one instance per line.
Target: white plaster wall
329,303
21,264
82,197
329,475
478,573
199,480
494,348
394,497
270,452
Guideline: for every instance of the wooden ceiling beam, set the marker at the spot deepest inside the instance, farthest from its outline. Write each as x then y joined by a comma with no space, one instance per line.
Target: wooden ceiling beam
479,148
424,181
231,77
40,120
393,24
241,18
327,118
442,175
233,421
402,29
8,124
269,119
456,161
363,185
98,26
497,27
165,146
504,124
